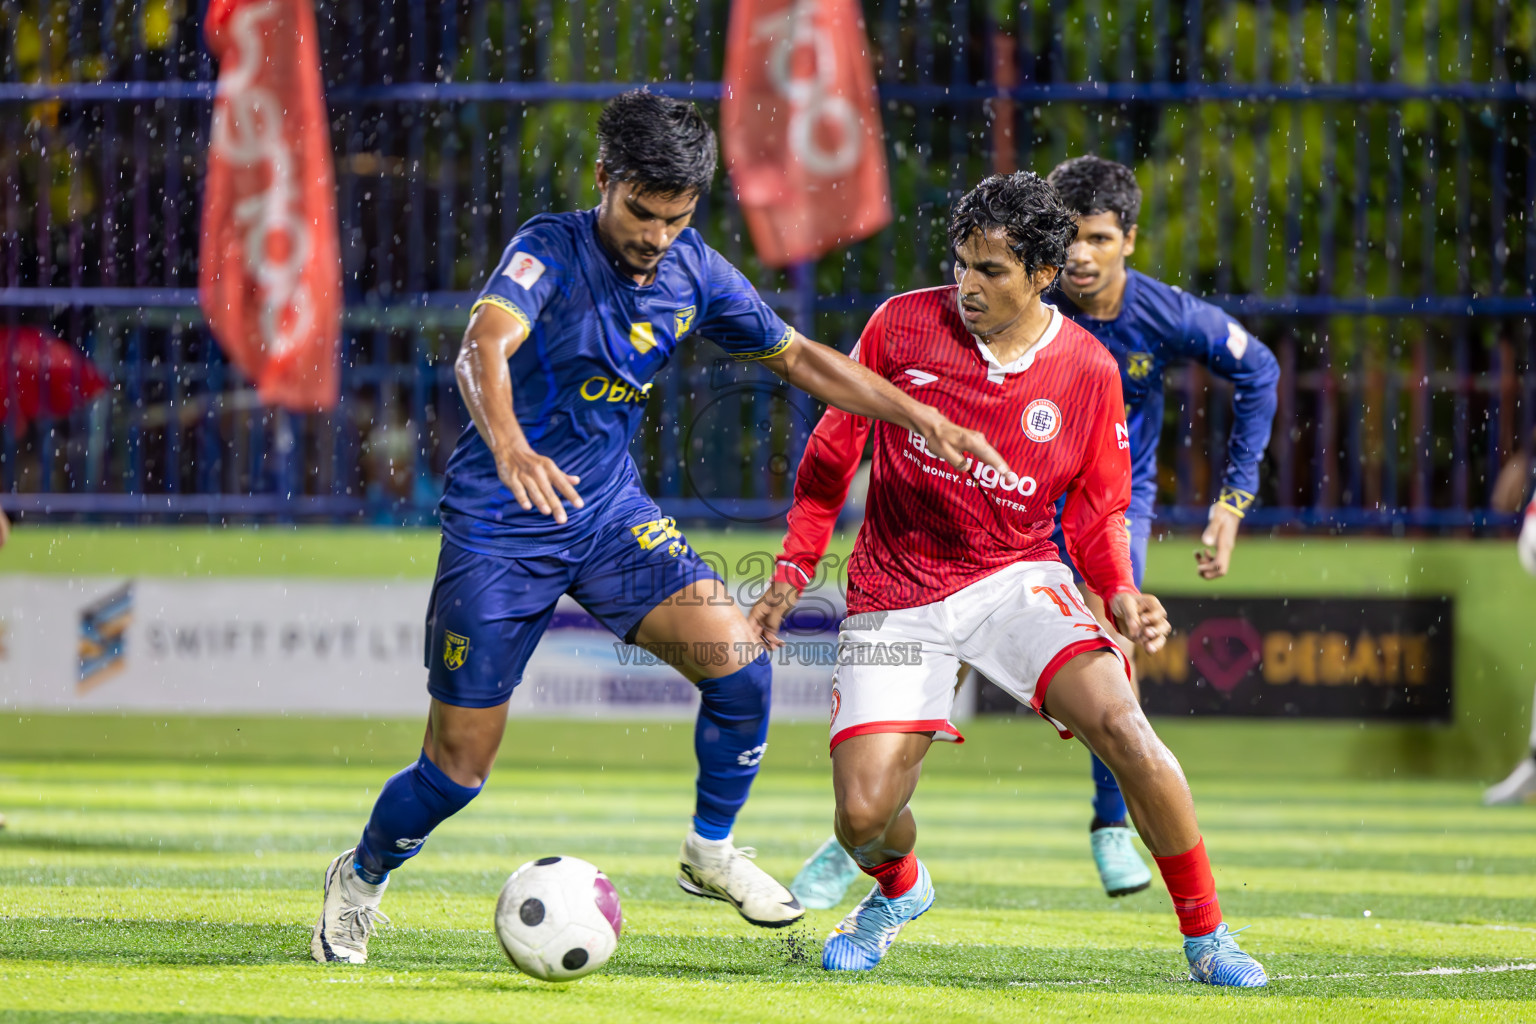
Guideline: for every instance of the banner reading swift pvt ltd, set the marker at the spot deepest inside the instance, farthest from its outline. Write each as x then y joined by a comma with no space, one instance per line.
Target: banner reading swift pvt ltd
329,647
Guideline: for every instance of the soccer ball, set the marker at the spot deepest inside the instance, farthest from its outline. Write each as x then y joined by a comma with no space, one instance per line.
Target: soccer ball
558,918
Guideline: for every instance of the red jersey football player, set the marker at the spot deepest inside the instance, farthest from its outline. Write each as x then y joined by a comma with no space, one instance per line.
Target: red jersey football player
956,567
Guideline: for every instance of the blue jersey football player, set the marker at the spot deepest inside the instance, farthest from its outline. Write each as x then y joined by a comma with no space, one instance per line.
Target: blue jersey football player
542,499
1148,326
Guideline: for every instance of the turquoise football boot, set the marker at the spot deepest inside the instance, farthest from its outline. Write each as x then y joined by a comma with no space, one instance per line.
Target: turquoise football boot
1121,868
824,879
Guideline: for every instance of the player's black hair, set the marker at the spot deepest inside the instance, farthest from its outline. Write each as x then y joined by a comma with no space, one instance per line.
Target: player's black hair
1091,184
662,145
1040,228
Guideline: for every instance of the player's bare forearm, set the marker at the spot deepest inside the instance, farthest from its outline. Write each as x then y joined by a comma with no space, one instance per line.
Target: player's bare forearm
485,382
827,374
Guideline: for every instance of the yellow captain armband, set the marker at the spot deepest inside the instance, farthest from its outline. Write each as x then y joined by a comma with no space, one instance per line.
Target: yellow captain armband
504,304
1235,501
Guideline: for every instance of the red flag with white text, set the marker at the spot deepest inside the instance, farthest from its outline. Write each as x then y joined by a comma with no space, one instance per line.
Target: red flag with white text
800,126
270,265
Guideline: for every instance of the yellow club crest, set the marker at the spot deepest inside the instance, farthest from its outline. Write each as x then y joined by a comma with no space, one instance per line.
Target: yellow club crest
1138,364
455,650
684,320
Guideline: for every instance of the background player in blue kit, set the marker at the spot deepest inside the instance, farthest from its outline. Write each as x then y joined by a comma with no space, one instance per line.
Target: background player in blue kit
1148,326
542,499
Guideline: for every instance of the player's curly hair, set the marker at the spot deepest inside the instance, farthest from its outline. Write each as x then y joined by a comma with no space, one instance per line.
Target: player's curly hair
1091,184
662,145
1040,228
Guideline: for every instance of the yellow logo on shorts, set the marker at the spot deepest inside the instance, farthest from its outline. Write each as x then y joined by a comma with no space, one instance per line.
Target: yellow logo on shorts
455,650
658,532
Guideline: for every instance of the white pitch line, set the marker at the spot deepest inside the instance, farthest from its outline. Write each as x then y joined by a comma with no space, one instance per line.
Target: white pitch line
1429,971
1478,969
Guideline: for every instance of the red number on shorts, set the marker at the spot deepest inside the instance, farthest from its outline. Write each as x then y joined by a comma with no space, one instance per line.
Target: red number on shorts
1050,592
1073,598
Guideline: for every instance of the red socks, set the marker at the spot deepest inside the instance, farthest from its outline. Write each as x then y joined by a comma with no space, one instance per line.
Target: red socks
1193,890
897,877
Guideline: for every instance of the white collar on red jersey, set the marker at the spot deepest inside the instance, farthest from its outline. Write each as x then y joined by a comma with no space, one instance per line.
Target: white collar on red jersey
996,371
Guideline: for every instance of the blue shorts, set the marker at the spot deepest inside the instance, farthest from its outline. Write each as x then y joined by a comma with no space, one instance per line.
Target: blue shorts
1141,531
487,612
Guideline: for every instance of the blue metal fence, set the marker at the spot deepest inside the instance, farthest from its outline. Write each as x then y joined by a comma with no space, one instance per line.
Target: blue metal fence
1356,181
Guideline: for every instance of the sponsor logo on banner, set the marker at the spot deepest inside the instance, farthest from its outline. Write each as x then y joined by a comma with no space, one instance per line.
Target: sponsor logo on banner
103,641
1359,658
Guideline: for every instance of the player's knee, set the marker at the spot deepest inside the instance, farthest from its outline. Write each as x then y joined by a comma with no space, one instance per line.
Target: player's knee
862,817
742,697
1122,736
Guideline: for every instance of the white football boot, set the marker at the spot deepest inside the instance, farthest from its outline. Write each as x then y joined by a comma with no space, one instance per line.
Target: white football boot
349,915
717,870
1518,788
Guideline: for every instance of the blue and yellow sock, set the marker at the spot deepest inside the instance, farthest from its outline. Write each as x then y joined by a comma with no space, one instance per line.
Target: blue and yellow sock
729,740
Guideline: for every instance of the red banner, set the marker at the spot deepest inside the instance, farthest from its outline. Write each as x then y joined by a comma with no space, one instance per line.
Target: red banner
800,122
270,275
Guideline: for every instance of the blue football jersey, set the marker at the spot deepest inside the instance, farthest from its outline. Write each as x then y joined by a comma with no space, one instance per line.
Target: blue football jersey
1160,325
581,379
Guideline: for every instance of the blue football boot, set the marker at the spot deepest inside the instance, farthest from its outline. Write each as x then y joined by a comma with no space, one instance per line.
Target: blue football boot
1121,868
824,878
861,938
1215,960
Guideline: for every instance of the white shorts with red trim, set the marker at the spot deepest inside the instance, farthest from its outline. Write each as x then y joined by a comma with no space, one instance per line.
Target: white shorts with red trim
898,671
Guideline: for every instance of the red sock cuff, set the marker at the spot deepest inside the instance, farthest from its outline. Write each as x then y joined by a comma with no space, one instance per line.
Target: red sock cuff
896,878
1192,889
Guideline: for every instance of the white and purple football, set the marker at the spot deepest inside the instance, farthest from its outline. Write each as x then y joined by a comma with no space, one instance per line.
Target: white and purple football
558,918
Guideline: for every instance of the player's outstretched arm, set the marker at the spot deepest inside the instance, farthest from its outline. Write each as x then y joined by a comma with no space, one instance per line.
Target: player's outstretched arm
827,374
1230,352
485,382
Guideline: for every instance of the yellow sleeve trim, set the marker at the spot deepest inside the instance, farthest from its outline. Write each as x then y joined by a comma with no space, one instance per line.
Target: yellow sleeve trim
1235,501
767,353
506,304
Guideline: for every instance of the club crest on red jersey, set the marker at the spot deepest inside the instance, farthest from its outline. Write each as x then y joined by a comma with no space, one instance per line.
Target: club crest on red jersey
1042,420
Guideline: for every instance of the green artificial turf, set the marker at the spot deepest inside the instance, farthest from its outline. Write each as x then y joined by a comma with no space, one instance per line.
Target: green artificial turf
168,869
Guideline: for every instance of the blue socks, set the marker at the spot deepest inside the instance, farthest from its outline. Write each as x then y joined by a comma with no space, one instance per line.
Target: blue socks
1108,804
412,803
729,739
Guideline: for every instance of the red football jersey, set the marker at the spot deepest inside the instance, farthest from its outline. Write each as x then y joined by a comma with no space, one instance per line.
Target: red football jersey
1057,417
